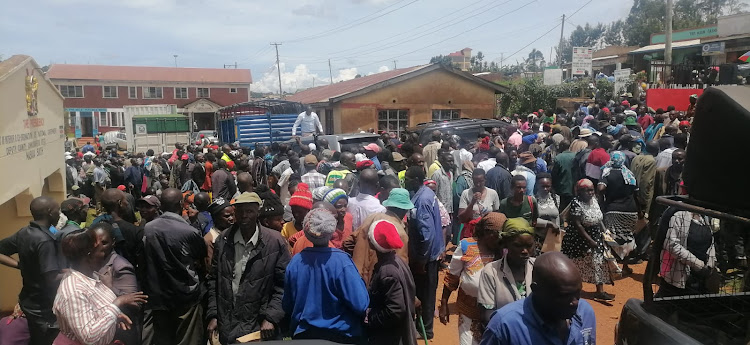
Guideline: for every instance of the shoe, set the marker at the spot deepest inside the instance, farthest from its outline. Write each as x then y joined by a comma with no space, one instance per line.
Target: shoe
604,297
627,271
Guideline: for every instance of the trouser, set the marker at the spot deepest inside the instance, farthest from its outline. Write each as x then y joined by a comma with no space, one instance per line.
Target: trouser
179,327
147,336
426,289
41,331
98,191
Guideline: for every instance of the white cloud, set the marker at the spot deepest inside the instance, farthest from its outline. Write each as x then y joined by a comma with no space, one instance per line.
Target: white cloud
299,78
383,69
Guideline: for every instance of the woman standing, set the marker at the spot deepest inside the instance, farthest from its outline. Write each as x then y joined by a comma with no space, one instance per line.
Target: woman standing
463,182
87,311
618,188
339,200
508,279
548,202
466,264
584,241
476,202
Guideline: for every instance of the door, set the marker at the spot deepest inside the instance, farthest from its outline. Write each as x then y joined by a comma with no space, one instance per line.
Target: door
87,124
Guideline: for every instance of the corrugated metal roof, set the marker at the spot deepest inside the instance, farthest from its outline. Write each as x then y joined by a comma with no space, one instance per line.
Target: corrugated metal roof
324,93
660,46
151,74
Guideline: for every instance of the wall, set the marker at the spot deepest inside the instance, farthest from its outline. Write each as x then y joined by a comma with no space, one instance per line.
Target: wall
31,154
662,98
93,95
438,89
738,24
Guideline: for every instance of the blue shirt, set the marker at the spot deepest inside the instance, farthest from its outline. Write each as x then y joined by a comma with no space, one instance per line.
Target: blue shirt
426,241
323,291
529,139
376,162
519,324
88,148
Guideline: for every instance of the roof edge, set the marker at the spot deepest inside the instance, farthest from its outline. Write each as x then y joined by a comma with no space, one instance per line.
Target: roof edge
23,60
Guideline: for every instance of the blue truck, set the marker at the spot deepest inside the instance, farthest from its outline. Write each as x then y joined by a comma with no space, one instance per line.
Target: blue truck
264,121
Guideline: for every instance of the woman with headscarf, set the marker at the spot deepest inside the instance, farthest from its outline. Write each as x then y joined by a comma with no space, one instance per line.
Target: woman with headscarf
587,122
584,240
548,204
467,262
622,209
89,312
339,201
508,279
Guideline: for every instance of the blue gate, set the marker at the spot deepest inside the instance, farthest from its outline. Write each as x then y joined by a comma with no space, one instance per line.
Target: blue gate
258,122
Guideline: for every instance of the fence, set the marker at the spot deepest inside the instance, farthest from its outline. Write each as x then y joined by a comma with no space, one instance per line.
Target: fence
695,76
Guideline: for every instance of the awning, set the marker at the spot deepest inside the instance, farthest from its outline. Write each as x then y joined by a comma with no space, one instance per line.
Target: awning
604,57
675,45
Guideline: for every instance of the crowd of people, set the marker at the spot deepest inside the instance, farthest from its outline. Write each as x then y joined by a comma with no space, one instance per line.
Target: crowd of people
224,243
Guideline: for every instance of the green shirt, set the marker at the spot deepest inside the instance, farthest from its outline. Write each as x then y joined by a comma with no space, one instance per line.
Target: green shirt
562,173
521,211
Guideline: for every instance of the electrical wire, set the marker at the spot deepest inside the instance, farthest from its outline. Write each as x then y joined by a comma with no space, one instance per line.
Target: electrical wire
352,23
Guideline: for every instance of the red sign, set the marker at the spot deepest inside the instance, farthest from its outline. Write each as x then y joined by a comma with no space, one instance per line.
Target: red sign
663,98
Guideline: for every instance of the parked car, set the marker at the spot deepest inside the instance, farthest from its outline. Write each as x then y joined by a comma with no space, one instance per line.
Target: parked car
115,139
467,129
337,141
720,314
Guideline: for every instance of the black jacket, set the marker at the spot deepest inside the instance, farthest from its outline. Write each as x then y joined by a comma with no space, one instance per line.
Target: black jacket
261,287
392,293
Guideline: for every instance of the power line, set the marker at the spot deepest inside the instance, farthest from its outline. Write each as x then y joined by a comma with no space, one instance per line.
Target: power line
352,23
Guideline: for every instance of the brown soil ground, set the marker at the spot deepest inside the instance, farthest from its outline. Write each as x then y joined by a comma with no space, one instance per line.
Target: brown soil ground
607,315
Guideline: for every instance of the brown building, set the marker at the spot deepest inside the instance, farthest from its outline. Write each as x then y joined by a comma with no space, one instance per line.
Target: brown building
95,94
461,59
401,98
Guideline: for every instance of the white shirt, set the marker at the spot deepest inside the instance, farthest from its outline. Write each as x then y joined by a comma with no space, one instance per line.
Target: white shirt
488,164
362,206
308,123
664,158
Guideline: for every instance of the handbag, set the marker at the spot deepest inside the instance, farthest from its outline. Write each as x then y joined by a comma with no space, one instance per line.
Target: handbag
640,224
553,241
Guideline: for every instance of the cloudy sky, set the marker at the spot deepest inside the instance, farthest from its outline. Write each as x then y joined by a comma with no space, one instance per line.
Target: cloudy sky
359,36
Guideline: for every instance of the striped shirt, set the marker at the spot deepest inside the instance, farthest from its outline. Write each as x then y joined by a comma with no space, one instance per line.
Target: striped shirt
84,309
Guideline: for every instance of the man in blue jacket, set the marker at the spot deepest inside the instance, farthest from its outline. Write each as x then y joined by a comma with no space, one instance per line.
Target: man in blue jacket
426,243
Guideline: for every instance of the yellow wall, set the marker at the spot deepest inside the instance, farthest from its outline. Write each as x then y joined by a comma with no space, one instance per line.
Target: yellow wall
31,155
438,89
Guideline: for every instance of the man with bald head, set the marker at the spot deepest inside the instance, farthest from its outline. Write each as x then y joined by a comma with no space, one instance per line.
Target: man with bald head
175,255
552,314
430,150
37,250
244,183
365,203
345,171
124,233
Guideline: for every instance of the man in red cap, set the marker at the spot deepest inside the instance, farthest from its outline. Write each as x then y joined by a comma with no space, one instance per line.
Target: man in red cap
392,289
371,151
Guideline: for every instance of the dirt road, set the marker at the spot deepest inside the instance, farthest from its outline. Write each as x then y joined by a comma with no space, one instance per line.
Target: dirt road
606,315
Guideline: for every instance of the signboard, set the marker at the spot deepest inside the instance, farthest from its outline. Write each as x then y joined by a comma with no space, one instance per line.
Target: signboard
582,60
141,128
86,109
684,35
552,76
713,48
622,77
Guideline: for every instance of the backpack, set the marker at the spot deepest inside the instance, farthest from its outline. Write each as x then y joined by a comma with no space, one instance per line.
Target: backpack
579,164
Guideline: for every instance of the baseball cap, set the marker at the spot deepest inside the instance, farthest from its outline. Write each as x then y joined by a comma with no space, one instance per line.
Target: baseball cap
373,147
248,198
311,159
217,205
150,200
399,198
121,187
397,157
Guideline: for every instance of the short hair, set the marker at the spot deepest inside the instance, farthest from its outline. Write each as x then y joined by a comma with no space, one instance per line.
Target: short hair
78,244
680,140
389,181
478,172
543,175
516,179
416,172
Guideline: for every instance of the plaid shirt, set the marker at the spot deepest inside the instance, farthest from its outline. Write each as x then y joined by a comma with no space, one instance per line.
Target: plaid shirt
676,260
314,179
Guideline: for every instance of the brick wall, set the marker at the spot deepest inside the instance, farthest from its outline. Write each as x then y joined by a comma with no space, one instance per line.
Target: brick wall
93,97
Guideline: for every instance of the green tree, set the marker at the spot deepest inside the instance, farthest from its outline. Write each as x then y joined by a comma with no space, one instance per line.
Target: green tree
613,36
534,60
442,60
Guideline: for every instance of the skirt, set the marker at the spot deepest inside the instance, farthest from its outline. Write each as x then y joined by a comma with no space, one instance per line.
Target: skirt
621,226
594,268
592,262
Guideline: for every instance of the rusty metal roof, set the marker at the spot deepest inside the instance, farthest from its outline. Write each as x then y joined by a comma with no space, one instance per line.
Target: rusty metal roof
150,74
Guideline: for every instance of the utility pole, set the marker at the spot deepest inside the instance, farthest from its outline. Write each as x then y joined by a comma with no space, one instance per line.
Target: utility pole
501,61
394,64
313,81
668,44
278,67
175,60
560,47
330,71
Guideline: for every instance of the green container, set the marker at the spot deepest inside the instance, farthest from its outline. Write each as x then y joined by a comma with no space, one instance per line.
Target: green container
165,123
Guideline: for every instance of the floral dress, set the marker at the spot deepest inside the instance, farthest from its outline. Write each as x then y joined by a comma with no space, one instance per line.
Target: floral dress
591,262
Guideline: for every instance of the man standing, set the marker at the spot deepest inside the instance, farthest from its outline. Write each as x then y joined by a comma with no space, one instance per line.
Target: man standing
76,211
562,173
308,122
365,203
174,255
37,250
285,176
246,282
643,167
426,243
552,314
498,178
88,148
312,177
222,182
115,206
430,151
443,178
525,168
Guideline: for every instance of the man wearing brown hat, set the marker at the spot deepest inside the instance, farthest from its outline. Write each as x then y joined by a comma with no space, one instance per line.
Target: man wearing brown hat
246,280
525,167
313,178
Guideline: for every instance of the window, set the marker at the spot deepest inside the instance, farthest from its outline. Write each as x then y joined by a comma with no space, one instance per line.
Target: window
445,114
71,91
393,120
109,91
103,120
132,92
202,92
116,118
152,92
180,92
232,90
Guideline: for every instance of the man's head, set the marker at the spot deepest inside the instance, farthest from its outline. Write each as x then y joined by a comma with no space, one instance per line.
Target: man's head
502,159
479,179
201,201
311,162
74,209
413,178
605,141
680,141
308,110
678,159
556,285
671,130
368,181
319,226
148,207
347,159
435,136
387,183
564,145
171,200
246,209
518,186
446,161
294,162
416,159
226,148
323,144
244,182
341,184
112,200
